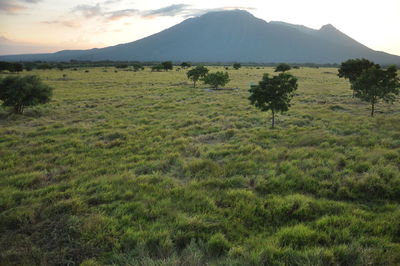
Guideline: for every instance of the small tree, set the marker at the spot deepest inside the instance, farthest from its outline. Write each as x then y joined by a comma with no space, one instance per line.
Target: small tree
282,68
136,67
167,65
185,65
216,79
19,92
196,73
122,66
353,68
376,84
273,93
237,66
157,68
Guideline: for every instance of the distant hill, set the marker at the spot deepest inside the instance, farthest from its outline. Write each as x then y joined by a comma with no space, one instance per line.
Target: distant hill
229,36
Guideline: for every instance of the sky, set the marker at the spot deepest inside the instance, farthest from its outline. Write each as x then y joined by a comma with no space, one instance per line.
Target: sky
39,26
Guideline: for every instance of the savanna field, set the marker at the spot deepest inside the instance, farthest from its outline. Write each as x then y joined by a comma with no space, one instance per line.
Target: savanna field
140,168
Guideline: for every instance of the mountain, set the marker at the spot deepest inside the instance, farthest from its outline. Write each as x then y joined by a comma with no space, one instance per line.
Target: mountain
229,36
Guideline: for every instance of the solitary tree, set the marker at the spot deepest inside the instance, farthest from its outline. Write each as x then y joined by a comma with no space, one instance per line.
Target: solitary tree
19,92
237,66
282,68
376,84
196,73
185,65
167,65
273,93
352,69
216,79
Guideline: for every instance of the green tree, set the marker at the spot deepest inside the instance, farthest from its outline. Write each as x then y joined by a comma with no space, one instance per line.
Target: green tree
121,66
185,65
352,69
136,67
167,65
273,93
282,68
237,66
376,84
216,79
196,73
19,92
157,68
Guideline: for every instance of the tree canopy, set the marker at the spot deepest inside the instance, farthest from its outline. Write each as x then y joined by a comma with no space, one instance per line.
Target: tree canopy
185,65
196,73
19,92
376,84
352,68
237,66
273,93
216,79
282,68
167,65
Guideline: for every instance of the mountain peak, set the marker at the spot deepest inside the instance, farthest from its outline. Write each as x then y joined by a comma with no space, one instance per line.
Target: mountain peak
231,36
328,27
233,12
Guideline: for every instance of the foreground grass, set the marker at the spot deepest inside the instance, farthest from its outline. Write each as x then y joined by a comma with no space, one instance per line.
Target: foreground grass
141,169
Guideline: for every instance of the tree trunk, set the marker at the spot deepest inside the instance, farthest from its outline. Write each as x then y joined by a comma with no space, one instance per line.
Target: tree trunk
194,84
18,109
372,109
273,119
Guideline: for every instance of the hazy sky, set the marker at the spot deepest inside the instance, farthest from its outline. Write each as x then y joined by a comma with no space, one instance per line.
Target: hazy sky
51,25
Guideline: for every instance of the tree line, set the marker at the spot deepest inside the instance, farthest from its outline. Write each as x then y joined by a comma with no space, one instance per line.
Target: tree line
369,82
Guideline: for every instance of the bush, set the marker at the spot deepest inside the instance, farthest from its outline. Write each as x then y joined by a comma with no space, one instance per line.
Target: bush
216,79
299,236
218,244
282,68
19,92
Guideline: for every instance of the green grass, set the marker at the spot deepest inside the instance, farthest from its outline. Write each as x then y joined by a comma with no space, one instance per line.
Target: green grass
139,168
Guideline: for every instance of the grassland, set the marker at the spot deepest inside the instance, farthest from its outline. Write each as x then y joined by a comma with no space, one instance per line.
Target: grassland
139,168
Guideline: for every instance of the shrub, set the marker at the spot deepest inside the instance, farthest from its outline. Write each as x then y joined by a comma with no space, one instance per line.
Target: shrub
216,79
282,68
299,236
218,245
19,92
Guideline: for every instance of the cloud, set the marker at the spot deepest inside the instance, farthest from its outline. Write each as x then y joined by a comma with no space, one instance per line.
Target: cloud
30,1
170,11
119,14
182,10
65,23
88,11
110,2
10,7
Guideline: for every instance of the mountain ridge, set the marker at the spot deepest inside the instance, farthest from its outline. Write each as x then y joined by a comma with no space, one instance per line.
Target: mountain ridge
227,36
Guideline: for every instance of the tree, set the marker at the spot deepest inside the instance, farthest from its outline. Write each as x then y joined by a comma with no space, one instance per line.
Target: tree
216,79
167,65
19,92
237,66
376,84
185,65
273,93
157,68
136,67
12,67
121,66
282,68
353,68
196,73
